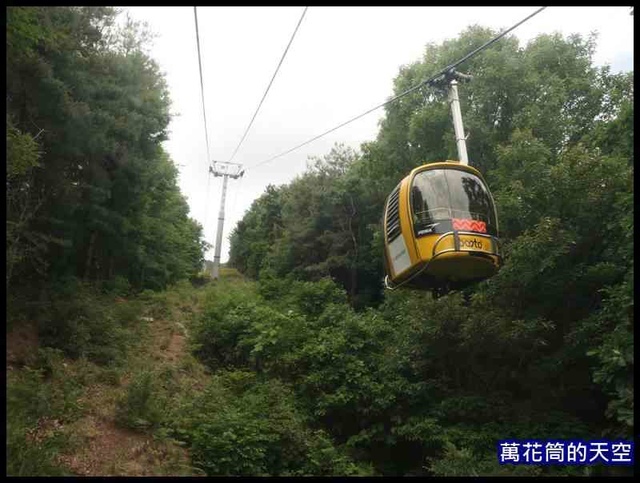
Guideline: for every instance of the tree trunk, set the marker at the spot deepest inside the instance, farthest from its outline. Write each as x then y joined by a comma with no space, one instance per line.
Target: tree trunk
354,265
111,264
87,265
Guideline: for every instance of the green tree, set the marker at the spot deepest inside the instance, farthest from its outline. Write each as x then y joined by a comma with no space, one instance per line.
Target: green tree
104,192
545,346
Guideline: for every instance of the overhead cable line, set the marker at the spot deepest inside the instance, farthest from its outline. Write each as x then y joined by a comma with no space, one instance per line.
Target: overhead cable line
407,92
269,86
204,111
206,130
206,206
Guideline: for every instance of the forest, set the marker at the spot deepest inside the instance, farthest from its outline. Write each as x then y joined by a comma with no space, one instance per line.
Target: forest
298,361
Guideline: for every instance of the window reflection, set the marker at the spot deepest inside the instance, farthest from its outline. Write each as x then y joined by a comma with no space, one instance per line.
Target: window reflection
443,194
430,197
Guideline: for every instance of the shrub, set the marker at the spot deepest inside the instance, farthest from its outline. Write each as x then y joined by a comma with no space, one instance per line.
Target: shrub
309,298
463,462
242,426
126,314
26,458
200,279
225,319
49,360
82,324
28,397
218,336
141,405
119,286
31,399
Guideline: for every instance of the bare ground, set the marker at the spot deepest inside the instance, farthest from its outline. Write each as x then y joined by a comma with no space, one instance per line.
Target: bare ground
102,448
98,445
22,344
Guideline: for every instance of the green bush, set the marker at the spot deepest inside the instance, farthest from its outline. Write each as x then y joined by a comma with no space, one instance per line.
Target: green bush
159,305
32,398
81,323
226,317
109,375
415,378
463,462
341,363
200,279
42,392
147,295
141,406
28,396
49,360
242,426
218,336
274,340
117,286
26,458
127,313
251,335
309,298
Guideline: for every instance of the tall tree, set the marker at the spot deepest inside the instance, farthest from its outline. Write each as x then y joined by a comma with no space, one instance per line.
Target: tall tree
98,106
553,135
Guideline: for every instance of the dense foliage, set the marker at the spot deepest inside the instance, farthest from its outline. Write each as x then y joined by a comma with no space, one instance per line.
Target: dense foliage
90,191
544,349
93,213
246,427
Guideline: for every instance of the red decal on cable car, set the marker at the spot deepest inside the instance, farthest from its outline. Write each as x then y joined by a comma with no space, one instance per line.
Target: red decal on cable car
469,225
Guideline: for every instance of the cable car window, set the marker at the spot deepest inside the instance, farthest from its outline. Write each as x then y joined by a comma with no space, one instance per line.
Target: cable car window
430,197
446,194
469,197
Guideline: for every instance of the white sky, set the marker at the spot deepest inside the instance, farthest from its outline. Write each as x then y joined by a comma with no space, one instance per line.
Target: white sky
341,63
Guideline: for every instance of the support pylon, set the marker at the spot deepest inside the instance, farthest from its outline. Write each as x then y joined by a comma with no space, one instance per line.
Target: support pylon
226,170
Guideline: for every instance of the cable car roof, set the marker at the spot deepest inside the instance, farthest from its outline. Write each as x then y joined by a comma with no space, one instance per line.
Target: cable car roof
448,164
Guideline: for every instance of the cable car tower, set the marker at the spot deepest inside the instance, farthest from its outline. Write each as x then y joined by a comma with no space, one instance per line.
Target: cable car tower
440,222
226,170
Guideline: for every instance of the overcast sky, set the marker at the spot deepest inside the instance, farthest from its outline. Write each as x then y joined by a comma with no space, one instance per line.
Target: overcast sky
341,63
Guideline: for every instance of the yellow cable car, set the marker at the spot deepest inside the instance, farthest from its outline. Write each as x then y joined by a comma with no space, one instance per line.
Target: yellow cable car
440,229
440,223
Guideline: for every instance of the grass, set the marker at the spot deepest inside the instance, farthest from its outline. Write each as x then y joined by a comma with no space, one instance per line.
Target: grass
141,407
32,444
95,393
45,403
230,273
81,346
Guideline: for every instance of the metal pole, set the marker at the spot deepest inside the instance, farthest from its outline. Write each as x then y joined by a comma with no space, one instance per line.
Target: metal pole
457,122
216,258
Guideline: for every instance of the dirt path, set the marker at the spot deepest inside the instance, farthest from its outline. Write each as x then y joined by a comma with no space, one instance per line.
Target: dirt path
102,447
175,349
109,450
